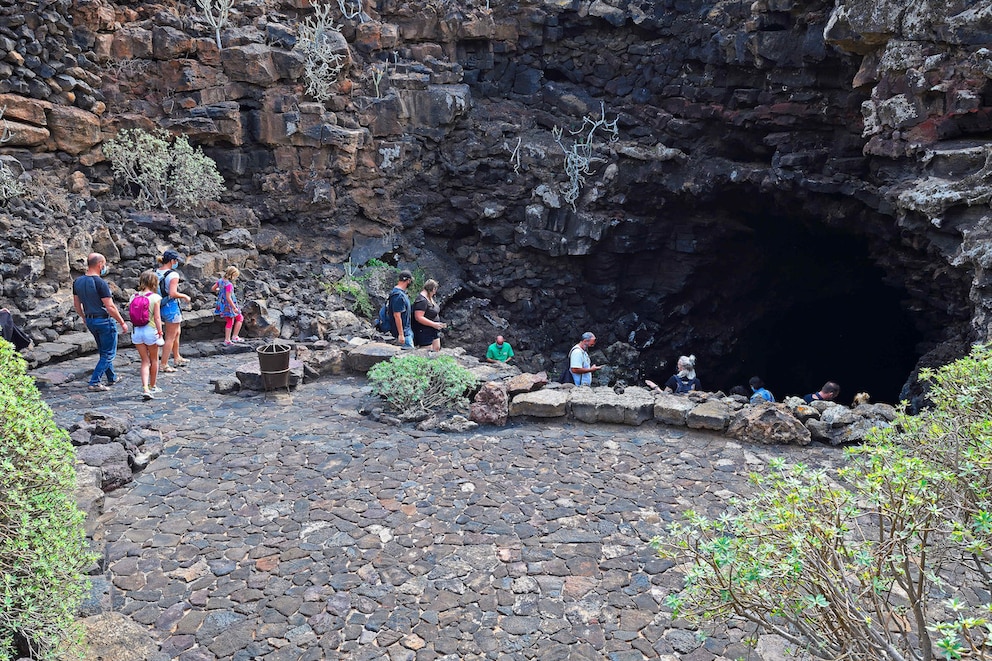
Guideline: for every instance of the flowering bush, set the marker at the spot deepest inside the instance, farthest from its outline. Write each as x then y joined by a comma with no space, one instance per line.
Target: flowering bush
888,558
165,173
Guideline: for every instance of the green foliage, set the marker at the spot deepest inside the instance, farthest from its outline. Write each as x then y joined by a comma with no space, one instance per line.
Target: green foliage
421,384
166,173
888,558
42,542
353,289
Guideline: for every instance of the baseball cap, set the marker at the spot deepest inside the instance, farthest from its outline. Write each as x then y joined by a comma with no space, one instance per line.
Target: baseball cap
171,255
405,275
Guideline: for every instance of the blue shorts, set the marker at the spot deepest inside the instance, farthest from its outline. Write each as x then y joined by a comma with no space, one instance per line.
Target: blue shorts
171,314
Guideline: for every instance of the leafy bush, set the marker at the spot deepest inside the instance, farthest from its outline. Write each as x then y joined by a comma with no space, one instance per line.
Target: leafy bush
166,173
42,542
421,384
889,558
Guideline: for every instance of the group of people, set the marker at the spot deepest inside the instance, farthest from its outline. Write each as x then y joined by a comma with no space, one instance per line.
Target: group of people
417,324
155,314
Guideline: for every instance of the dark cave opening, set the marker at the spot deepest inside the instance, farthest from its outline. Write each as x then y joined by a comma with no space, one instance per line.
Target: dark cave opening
798,303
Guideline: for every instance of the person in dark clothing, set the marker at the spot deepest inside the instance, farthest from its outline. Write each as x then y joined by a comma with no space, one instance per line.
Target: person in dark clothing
827,393
92,301
427,325
10,331
400,312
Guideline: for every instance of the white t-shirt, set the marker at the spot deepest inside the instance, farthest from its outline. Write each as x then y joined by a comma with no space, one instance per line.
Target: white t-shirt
578,357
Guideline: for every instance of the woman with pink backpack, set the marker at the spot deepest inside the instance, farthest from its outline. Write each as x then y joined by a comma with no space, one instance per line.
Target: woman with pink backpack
145,313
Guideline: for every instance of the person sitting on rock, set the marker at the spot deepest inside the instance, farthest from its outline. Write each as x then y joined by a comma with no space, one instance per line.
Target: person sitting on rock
685,379
827,393
499,351
760,393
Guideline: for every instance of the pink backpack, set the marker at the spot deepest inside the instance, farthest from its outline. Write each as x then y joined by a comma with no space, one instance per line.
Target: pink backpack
140,310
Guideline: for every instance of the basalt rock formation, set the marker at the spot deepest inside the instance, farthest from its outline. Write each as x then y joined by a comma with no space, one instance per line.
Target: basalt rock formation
796,188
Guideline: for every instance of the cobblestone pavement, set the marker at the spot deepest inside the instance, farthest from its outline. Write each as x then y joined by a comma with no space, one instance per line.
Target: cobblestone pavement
291,527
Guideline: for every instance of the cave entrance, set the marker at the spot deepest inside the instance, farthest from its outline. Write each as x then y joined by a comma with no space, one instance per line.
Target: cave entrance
797,303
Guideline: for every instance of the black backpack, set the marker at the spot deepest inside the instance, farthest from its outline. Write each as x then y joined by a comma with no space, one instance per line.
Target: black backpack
163,288
566,374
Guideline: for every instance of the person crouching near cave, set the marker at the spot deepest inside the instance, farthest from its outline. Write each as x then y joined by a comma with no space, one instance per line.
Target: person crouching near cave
760,393
827,393
426,324
227,305
168,278
682,381
147,337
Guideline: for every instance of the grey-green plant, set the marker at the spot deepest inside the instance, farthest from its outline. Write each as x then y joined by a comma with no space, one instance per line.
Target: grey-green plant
887,558
580,154
43,549
415,385
217,13
167,172
10,184
354,289
318,40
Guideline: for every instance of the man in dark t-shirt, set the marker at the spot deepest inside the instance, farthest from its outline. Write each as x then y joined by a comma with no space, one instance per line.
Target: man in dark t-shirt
827,393
92,300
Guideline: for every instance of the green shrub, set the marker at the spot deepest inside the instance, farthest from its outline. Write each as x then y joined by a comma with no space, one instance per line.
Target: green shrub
887,558
353,289
42,545
421,384
166,172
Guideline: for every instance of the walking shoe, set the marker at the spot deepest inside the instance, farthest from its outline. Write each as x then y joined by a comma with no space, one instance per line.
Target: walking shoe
98,387
147,395
116,380
155,390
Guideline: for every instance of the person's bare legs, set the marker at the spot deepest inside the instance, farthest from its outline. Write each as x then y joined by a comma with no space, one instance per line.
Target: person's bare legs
436,345
152,365
171,338
177,360
146,352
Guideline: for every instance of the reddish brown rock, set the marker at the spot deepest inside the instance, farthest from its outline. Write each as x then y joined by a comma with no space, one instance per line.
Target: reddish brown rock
23,109
251,63
25,135
373,36
170,43
190,75
491,405
74,130
131,42
94,15
526,383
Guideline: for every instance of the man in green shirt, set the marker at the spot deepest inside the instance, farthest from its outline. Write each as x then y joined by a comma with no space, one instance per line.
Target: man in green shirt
499,351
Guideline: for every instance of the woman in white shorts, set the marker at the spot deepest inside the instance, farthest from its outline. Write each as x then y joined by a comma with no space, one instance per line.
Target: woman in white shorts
148,338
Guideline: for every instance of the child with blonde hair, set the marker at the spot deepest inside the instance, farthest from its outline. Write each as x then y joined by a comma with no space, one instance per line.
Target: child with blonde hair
227,305
147,336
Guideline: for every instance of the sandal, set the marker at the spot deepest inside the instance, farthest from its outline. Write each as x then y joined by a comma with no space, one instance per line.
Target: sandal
167,368
228,343
182,362
239,339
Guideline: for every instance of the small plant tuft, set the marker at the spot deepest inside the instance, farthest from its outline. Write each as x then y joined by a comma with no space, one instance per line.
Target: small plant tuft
318,41
415,385
42,542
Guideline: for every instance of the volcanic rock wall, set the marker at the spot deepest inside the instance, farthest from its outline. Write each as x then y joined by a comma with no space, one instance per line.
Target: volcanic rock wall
868,118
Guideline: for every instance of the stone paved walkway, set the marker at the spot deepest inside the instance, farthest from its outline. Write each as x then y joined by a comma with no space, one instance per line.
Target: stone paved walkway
294,528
